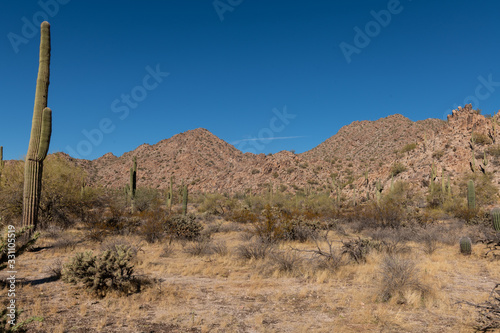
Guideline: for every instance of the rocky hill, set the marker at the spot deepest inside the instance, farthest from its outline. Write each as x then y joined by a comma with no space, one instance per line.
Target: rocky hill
372,149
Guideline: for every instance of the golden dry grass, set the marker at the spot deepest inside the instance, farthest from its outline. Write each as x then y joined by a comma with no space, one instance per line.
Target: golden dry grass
224,293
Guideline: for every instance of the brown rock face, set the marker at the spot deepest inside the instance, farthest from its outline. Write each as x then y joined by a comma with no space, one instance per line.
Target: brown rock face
210,164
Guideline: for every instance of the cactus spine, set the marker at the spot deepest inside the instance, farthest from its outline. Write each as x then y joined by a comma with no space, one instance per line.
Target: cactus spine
465,245
41,130
471,195
184,199
495,217
133,184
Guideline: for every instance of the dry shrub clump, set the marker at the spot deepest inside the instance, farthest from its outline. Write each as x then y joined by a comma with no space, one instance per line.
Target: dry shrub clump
394,209
400,276
255,250
279,225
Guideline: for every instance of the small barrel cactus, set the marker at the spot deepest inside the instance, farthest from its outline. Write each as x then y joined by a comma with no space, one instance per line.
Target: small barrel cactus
495,217
465,246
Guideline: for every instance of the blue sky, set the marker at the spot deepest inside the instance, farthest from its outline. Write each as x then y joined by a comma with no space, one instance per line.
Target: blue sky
295,71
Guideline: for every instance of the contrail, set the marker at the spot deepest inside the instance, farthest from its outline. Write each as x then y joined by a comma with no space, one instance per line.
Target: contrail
265,139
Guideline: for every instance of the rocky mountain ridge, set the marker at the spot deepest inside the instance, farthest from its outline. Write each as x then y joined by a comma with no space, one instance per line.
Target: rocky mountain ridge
359,151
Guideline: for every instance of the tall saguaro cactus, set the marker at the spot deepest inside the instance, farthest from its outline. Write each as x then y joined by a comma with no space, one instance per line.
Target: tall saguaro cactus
1,160
170,195
133,184
471,195
184,199
41,130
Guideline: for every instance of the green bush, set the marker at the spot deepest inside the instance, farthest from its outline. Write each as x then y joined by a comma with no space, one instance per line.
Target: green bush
213,203
409,147
111,270
280,225
481,138
397,168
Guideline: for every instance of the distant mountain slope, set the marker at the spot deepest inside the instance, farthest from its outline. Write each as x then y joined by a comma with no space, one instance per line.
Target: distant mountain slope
209,164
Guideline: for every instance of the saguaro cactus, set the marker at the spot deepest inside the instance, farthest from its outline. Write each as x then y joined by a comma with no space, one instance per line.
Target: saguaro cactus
1,160
495,217
170,195
471,195
184,199
133,184
41,129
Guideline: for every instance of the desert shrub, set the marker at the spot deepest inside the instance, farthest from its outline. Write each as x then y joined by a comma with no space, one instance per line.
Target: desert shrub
110,271
102,221
438,154
397,168
409,147
429,241
356,249
492,242
281,225
121,244
22,242
254,250
327,259
494,150
486,191
152,226
199,247
488,312
147,199
183,227
167,251
20,326
55,269
391,242
213,203
393,210
286,262
244,216
220,248
62,199
11,194
317,205
65,243
398,276
481,138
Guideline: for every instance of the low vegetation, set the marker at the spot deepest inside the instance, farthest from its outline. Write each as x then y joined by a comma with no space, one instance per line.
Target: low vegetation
269,257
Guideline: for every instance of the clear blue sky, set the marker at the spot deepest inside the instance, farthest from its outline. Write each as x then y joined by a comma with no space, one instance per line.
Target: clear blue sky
230,67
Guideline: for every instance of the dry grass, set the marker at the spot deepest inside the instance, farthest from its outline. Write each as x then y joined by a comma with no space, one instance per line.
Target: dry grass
284,291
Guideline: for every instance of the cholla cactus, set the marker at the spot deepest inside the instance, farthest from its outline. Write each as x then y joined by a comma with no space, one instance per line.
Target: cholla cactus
111,270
